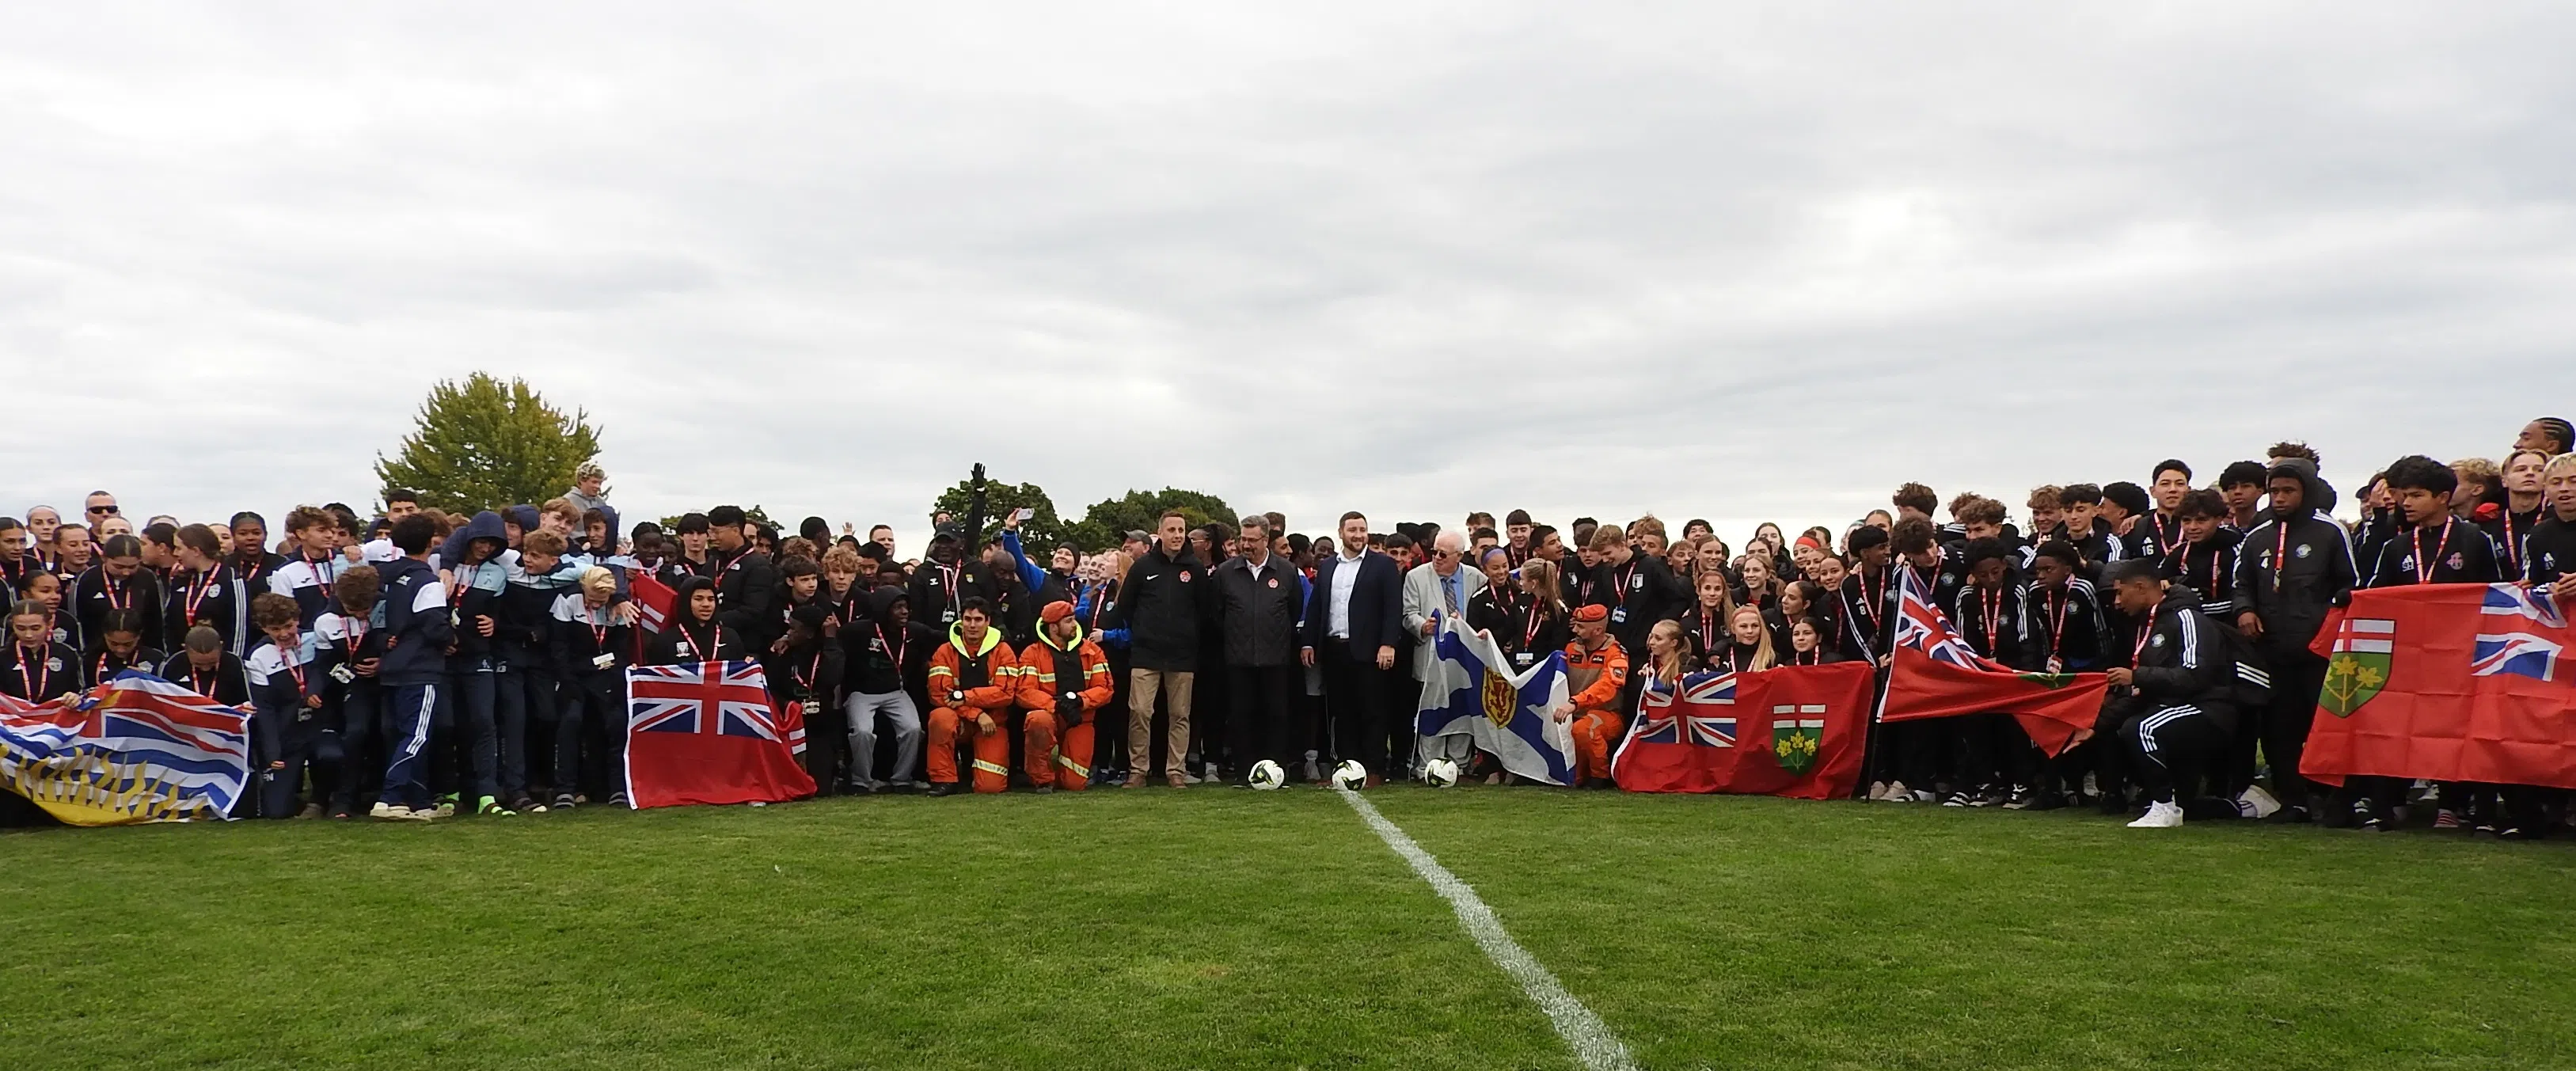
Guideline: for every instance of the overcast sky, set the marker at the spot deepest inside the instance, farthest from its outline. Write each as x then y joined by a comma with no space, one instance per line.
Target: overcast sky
1730,261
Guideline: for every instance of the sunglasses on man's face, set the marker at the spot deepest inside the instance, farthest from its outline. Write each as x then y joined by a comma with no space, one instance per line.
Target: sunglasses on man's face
109,510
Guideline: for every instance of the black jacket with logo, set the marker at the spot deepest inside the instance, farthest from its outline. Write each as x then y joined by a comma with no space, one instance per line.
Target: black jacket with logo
1259,615
1161,605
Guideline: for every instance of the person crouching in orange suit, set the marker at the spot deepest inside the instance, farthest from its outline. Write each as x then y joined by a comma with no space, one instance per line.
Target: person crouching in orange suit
1064,681
974,681
1596,668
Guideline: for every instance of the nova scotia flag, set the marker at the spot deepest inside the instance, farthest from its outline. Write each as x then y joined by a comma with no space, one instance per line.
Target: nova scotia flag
1470,692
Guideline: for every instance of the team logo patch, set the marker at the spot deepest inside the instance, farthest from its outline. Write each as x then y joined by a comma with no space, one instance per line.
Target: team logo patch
2456,561
2158,641
1636,583
1185,576
2358,668
1499,698
2304,550
1274,581
54,665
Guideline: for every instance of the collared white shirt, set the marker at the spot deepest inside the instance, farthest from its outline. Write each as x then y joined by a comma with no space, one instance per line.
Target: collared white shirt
1346,577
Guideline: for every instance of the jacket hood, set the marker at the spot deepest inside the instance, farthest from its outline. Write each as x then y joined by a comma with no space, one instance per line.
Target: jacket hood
881,602
484,525
1079,635
2314,493
957,639
525,516
608,513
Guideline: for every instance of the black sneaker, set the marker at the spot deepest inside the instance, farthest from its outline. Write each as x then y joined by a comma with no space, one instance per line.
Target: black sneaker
1956,799
1044,790
941,788
564,801
617,799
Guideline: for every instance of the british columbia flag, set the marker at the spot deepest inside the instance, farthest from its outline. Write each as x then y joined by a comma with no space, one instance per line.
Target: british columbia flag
1700,710
2506,640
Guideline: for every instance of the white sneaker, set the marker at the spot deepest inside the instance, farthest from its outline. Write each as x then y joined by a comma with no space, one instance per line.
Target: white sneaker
2159,816
2256,803
1314,772
387,812
1896,793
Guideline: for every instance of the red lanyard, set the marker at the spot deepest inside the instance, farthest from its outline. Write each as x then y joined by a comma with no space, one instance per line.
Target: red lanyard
293,669
2424,565
1868,602
198,684
701,652
119,596
2057,627
199,587
598,630
2145,630
899,649
356,635
35,685
2280,550
100,673
2156,525
2512,542
1994,611
948,579
1624,578
1529,634
1814,657
250,570
321,576
1708,629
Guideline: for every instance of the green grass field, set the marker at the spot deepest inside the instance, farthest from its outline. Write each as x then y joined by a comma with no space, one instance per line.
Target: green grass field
1222,928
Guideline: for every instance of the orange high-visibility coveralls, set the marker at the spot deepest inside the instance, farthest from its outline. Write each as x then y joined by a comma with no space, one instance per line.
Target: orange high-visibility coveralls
1599,674
1074,681
965,685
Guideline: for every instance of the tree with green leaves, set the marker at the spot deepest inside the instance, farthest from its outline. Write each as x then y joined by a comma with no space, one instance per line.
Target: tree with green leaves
1107,520
482,443
1043,529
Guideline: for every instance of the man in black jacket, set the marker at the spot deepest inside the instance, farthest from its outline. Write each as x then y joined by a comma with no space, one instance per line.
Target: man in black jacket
1638,588
1259,598
1353,623
2291,567
1160,606
746,583
2175,716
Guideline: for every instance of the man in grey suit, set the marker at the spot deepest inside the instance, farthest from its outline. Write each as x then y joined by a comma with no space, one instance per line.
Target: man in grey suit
1436,591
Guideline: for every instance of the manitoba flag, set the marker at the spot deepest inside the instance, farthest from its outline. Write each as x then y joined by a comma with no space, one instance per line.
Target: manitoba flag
2451,682
1935,674
1792,731
704,732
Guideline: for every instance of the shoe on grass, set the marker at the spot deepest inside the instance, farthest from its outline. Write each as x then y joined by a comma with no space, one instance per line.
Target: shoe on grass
311,810
389,812
565,802
2160,815
1896,793
492,807
2256,803
617,799
941,788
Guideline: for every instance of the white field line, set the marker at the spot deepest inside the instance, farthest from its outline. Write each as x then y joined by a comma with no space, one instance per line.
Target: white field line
1584,1032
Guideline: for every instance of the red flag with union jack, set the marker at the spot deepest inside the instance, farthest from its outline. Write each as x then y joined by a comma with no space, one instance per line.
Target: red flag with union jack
704,732
2450,682
1791,731
1935,674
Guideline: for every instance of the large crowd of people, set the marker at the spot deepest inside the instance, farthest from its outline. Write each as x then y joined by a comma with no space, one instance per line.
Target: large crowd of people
422,664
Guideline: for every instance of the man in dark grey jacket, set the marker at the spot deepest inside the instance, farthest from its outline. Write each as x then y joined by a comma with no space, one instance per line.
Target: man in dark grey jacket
1259,601
2289,569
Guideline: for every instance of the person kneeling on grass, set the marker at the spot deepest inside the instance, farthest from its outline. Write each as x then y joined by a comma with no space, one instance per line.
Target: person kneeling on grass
973,683
2174,715
1596,674
1064,681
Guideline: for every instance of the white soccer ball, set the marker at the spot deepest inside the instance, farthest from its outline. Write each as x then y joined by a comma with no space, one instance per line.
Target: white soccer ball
1350,774
1266,775
1440,773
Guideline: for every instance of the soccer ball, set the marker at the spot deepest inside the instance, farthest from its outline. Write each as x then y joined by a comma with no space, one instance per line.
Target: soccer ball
1350,774
1266,775
1440,773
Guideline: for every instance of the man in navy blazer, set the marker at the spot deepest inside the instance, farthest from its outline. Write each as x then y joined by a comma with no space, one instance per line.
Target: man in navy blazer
1354,619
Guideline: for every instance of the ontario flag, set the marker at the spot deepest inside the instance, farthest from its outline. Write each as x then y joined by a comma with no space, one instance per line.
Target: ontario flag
2450,682
1935,674
704,732
1791,731
655,602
